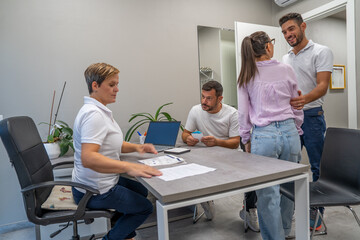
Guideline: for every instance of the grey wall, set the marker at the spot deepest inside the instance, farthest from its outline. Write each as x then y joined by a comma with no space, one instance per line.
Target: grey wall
331,32
301,6
153,43
209,50
307,5
228,67
357,50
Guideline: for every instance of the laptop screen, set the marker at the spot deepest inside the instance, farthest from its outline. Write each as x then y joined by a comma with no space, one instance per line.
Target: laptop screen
162,133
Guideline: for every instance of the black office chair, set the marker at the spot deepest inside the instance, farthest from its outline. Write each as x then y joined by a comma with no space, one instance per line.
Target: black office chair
35,173
339,182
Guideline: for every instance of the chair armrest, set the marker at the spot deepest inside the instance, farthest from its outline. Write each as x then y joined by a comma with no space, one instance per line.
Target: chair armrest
54,183
83,202
62,163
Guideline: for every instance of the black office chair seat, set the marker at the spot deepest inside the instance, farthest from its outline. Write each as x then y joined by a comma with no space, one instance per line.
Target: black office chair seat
88,214
324,194
339,181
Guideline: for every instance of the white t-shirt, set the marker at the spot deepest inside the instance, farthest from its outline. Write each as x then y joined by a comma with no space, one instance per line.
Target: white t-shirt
95,124
223,124
310,60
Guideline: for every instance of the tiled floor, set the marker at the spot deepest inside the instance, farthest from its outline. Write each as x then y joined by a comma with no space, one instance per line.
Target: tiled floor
226,225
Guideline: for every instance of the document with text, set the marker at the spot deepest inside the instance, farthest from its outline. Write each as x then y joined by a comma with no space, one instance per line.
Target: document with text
182,171
162,160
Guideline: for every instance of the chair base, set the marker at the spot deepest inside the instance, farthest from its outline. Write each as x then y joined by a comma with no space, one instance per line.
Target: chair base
354,213
196,217
100,230
313,232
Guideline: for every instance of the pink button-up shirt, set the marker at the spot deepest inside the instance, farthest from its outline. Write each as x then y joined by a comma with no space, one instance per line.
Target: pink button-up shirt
266,98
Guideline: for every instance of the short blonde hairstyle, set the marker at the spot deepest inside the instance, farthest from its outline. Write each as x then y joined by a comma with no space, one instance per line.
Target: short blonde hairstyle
98,72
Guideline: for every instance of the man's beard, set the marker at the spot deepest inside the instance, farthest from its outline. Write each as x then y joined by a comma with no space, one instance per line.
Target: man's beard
210,108
298,40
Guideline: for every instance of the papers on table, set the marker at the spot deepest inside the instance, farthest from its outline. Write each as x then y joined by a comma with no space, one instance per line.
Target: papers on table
162,160
177,172
183,171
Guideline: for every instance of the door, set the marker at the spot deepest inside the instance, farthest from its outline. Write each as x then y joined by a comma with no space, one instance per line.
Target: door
245,29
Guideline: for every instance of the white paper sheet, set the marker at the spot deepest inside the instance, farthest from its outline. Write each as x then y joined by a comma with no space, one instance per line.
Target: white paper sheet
182,171
162,160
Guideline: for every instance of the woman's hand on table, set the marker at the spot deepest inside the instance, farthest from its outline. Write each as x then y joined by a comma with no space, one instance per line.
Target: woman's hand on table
140,170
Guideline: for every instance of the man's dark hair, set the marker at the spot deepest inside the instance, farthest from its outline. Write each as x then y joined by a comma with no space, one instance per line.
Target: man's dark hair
213,85
291,16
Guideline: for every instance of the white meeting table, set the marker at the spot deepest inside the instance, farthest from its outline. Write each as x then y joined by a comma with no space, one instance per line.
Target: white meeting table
236,172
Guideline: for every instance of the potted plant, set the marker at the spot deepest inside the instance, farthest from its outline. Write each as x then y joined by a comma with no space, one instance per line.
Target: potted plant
60,139
146,118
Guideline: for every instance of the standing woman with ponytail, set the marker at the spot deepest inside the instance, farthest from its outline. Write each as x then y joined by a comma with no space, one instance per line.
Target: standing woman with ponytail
268,125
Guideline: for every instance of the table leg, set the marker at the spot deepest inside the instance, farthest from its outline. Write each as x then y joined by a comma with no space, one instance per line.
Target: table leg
162,221
302,208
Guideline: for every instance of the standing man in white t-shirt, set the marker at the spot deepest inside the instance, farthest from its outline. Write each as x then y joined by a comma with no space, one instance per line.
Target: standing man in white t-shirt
218,122
313,65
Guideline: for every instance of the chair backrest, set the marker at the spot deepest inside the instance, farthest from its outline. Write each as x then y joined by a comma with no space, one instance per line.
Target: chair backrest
340,161
28,155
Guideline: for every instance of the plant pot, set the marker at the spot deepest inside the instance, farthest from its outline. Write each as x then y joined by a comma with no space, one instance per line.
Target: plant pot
52,149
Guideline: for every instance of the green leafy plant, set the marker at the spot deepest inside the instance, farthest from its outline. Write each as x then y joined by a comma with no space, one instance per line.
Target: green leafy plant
146,118
63,134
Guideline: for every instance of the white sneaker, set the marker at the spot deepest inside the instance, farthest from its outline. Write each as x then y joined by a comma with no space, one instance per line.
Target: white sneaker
209,209
251,219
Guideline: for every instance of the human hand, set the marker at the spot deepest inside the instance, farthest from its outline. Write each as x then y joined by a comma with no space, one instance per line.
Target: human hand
191,141
146,148
140,170
209,141
298,102
248,147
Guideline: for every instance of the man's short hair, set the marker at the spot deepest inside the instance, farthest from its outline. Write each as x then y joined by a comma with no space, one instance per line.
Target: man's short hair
213,85
291,16
98,72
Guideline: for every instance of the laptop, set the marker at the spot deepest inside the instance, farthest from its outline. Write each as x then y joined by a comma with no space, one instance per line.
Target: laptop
162,134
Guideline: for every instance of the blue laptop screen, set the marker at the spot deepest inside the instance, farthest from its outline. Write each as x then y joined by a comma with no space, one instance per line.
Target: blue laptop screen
162,133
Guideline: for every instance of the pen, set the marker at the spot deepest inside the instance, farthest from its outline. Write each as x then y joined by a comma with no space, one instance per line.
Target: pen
170,156
139,133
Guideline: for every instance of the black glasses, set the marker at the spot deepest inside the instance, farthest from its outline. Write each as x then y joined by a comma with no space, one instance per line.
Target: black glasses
272,41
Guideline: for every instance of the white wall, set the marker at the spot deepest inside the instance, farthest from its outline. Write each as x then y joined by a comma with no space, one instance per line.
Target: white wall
153,43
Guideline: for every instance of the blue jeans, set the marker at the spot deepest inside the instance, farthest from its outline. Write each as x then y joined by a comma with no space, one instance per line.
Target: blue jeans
314,128
277,140
127,197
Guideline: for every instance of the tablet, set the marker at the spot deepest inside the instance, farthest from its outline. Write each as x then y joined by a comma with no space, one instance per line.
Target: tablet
177,150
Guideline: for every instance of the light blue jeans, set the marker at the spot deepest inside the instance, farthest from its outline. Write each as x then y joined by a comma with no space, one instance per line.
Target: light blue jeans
277,140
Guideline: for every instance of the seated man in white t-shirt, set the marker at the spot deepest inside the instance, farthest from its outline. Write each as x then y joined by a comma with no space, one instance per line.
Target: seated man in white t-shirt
218,123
